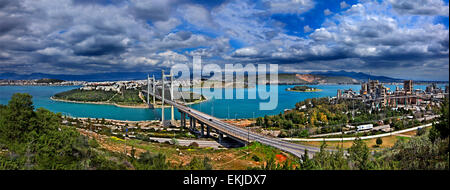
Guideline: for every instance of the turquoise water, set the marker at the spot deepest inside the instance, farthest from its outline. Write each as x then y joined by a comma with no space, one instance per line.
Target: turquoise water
221,108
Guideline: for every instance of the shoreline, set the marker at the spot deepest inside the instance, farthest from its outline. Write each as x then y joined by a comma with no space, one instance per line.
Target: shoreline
115,120
139,106
318,90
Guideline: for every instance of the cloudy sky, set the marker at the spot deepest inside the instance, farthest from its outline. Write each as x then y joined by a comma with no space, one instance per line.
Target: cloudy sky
396,38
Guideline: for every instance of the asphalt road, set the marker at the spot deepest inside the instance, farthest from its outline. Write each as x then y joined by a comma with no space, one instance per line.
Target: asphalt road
185,142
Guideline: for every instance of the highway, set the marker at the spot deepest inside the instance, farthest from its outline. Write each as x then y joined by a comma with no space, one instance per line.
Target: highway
240,133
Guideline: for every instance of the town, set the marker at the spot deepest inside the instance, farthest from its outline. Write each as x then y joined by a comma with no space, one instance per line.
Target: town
40,82
377,95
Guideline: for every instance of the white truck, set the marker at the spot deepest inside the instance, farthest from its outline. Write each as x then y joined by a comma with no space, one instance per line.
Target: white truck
364,127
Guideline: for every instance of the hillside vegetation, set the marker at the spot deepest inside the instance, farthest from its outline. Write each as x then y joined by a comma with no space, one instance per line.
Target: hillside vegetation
427,151
49,80
36,139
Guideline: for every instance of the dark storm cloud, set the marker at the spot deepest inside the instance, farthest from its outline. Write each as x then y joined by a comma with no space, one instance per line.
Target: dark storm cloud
420,7
84,36
157,10
375,39
101,2
9,24
99,46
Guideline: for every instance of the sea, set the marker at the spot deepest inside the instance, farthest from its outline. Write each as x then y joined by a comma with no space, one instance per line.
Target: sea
235,108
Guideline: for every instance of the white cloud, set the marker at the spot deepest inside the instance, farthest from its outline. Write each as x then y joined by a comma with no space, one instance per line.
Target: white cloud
53,51
327,12
171,58
344,5
242,20
141,61
248,51
289,6
167,26
307,29
321,34
196,15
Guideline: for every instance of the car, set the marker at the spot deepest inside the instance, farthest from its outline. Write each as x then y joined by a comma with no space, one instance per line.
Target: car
210,119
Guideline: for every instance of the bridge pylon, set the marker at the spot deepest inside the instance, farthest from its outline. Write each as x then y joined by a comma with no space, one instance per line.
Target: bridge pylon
154,90
163,97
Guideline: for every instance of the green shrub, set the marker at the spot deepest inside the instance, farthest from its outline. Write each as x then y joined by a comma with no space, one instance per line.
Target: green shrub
194,145
256,158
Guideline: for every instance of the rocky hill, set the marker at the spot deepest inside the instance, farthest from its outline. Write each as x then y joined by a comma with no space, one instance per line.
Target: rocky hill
288,78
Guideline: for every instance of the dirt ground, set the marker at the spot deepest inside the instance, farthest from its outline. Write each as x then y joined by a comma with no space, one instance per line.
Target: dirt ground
240,122
388,142
227,159
411,133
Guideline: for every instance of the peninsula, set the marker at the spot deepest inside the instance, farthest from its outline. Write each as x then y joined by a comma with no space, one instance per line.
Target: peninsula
118,93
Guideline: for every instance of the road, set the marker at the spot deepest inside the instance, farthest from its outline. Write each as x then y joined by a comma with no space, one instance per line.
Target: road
187,142
353,138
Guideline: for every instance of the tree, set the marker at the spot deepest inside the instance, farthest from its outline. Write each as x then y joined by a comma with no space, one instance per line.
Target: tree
419,153
37,140
266,121
379,141
198,164
441,129
323,117
174,141
133,152
18,118
306,163
360,155
259,121
150,161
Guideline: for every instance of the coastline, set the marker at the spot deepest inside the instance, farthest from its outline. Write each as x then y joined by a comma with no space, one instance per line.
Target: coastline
317,90
116,120
138,106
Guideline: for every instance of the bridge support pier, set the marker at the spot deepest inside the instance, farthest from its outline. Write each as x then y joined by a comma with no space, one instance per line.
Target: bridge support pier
172,113
183,119
208,129
220,137
202,130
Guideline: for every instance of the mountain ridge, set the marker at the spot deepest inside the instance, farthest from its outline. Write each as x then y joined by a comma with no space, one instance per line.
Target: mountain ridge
358,76
115,76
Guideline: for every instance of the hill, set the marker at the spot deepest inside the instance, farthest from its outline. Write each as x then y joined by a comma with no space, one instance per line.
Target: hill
46,80
292,78
357,75
113,76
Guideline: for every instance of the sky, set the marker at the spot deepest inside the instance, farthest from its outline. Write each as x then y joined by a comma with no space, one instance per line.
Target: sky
406,39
